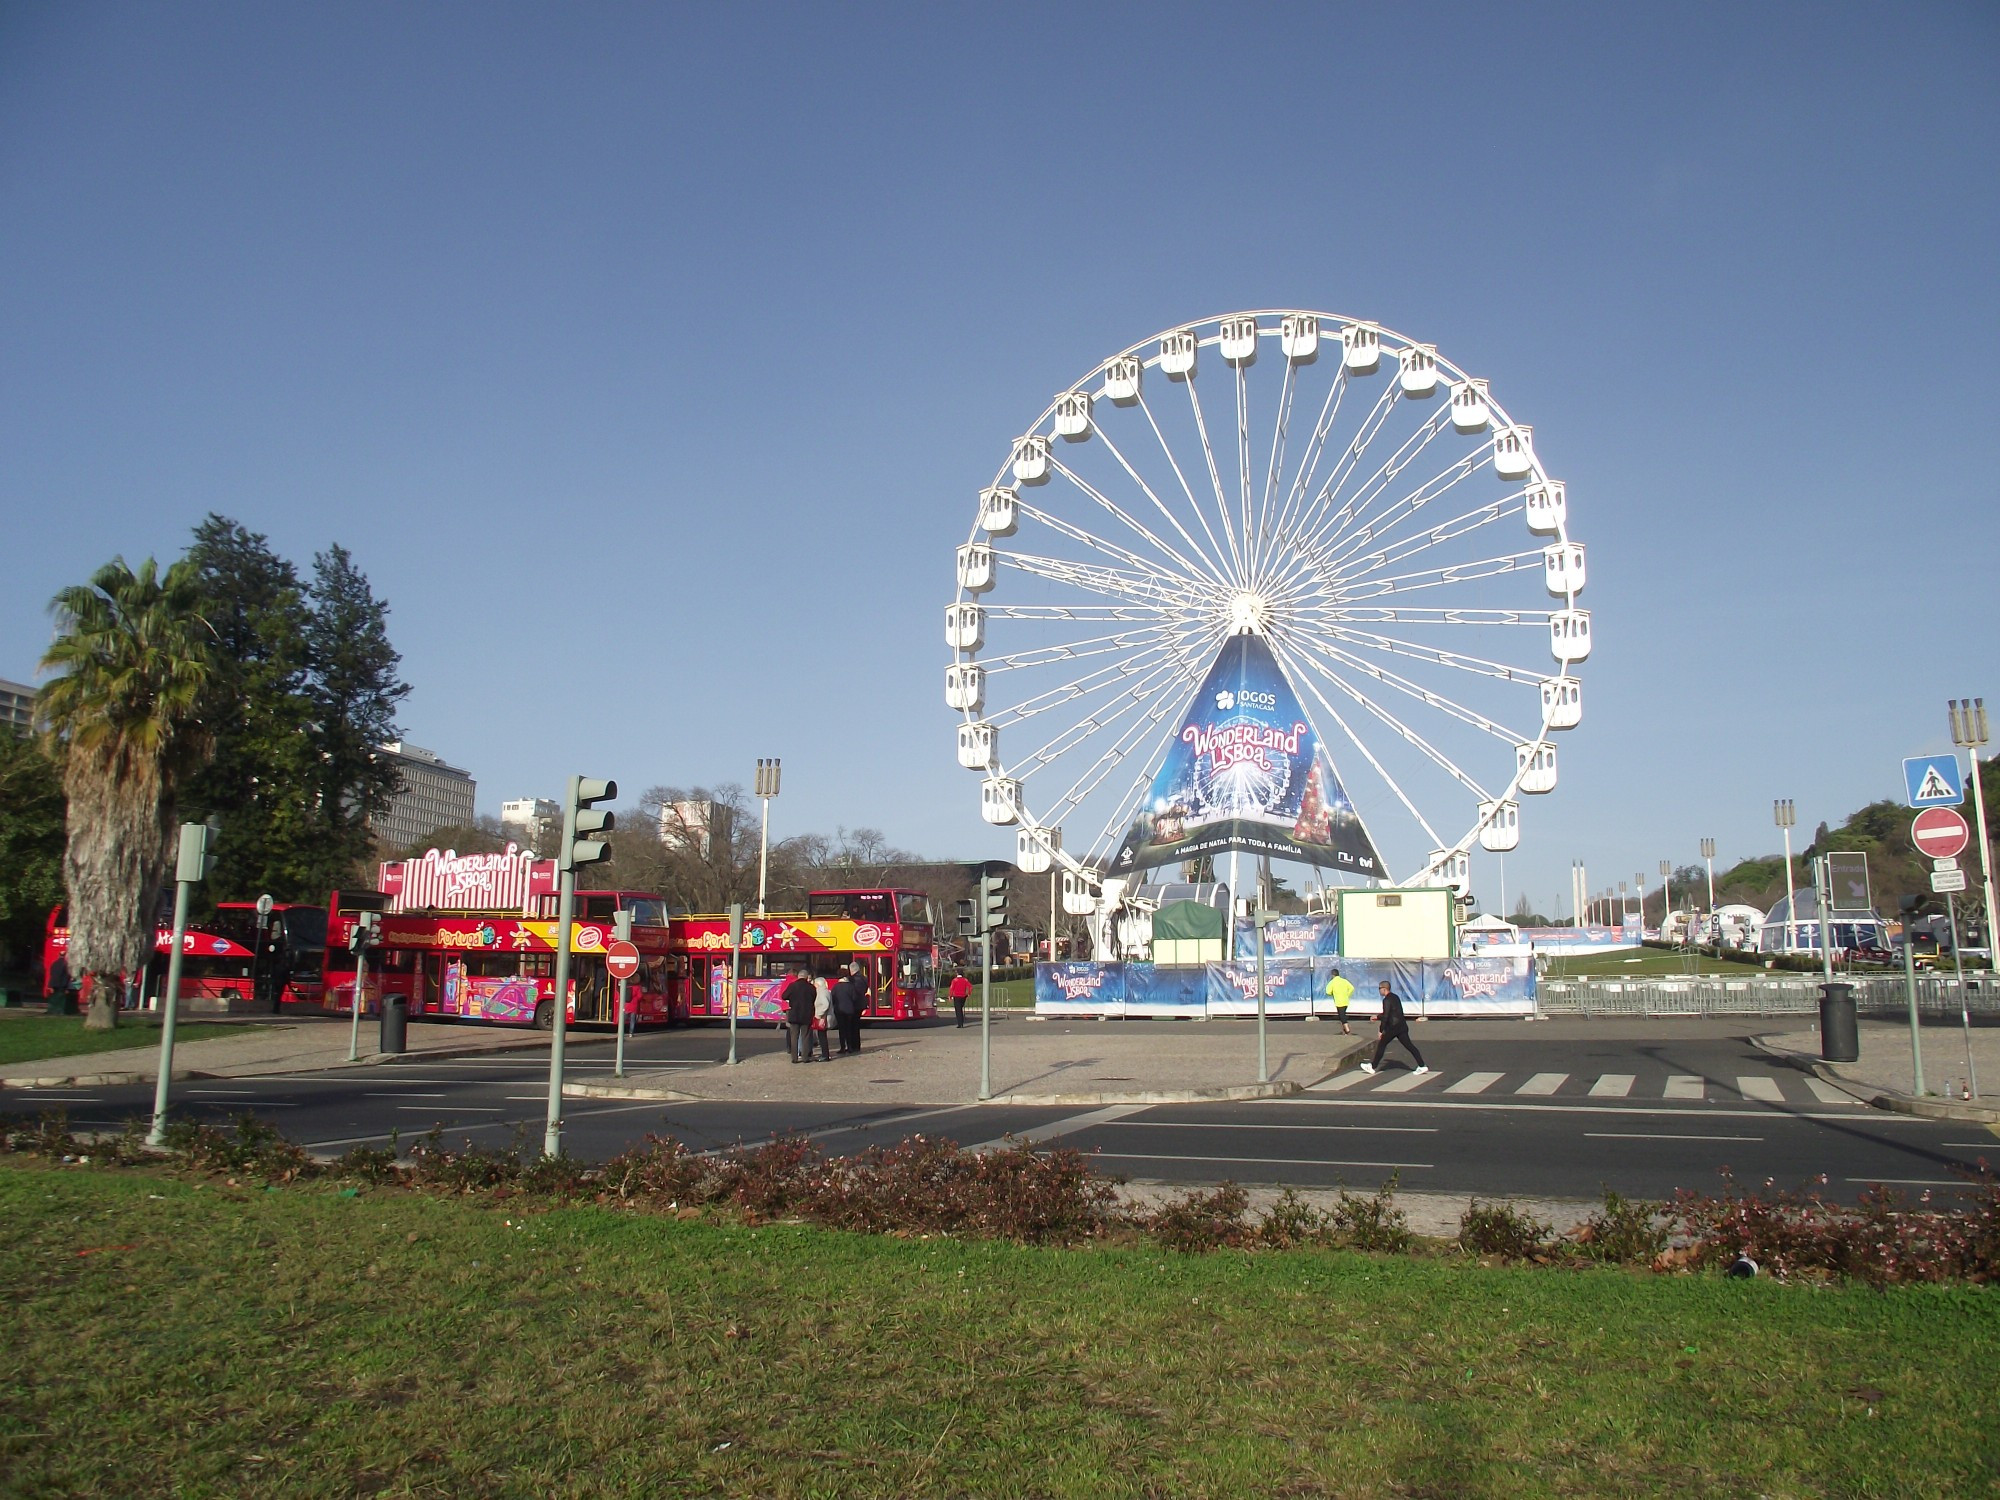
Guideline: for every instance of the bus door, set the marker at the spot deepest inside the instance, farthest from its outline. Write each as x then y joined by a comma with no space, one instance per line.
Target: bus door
596,995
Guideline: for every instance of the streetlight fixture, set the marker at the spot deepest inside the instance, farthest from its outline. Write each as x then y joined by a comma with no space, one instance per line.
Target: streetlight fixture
1622,908
1639,885
767,788
1785,818
1666,895
1969,732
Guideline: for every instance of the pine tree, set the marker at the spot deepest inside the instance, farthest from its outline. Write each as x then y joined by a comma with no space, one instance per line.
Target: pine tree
262,785
354,691
31,845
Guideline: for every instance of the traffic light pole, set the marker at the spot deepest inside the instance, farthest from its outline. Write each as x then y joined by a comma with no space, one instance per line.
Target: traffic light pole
362,927
565,912
1958,970
735,970
1910,993
985,1015
1263,1053
623,927
194,839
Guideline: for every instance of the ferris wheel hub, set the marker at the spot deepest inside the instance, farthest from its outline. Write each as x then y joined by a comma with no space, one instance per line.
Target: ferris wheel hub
1248,614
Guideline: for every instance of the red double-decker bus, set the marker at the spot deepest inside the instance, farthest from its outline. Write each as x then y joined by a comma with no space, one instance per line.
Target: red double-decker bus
238,958
500,966
889,933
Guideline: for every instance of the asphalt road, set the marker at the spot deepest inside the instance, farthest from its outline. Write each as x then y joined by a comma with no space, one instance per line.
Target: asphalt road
1507,1112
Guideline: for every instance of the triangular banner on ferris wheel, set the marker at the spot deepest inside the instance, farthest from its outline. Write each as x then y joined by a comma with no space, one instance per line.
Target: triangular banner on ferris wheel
1246,772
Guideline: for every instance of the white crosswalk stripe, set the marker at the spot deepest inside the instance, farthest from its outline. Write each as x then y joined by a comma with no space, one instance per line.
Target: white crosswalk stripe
1403,1083
1613,1086
1763,1090
1828,1093
1683,1086
1335,1085
1474,1083
1543,1083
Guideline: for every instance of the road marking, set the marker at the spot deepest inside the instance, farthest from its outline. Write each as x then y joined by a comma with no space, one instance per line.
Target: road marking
1914,1181
1613,1086
1334,1085
456,1109
1827,1093
1968,1145
222,1093
1068,1125
1404,1084
1635,1135
1265,1161
1369,1101
1543,1083
405,1094
1683,1086
1475,1083
1232,1125
1758,1087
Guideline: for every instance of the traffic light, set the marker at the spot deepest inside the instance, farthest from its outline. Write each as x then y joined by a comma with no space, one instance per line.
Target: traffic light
581,819
621,925
992,897
968,918
367,932
196,859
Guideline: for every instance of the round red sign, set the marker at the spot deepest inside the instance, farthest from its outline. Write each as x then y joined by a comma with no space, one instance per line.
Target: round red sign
622,960
1939,832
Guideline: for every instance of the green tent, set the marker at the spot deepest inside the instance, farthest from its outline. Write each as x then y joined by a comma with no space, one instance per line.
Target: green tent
1187,932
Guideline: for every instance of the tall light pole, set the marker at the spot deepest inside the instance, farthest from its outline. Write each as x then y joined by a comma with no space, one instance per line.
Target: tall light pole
1666,895
1785,818
1968,732
1622,904
1639,885
767,788
1708,858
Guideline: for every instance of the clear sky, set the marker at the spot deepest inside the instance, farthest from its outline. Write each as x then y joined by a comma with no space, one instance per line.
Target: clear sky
650,358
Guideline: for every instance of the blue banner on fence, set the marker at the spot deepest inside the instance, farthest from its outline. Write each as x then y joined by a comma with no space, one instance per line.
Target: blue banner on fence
1498,985
1310,936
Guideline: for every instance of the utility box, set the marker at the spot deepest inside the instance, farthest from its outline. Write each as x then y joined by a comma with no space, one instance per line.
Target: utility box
1407,923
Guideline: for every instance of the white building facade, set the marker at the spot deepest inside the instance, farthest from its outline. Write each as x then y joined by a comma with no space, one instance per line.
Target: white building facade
435,795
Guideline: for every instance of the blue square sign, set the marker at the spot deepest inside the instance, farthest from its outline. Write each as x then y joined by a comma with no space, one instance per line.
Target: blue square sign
1933,781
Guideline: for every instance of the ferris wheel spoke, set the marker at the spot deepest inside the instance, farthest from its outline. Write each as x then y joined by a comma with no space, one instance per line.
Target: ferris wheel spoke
1094,578
1102,645
1457,660
1211,562
1279,432
1433,578
1188,568
1119,750
1419,615
1214,475
1390,721
1364,438
1161,679
1361,746
1295,493
1111,550
1085,614
1100,680
1200,511
1429,697
1328,530
1243,468
1328,559
1445,531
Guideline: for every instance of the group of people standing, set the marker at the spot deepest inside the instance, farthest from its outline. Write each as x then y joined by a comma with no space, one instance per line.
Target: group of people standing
814,1008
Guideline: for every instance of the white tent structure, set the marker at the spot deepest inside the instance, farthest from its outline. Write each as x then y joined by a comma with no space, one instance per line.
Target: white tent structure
1792,926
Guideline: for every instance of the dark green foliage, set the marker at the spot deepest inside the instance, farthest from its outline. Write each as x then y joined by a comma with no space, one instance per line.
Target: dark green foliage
1622,1232
354,694
1372,1222
31,846
1503,1230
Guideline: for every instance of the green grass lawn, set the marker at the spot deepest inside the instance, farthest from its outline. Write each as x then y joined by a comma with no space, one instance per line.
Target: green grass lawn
30,1038
218,1341
1629,961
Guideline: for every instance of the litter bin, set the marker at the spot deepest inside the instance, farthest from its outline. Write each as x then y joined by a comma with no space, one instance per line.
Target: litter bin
396,1023
1839,1041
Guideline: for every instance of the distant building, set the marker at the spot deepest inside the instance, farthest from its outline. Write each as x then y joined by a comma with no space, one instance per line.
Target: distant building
532,822
17,706
688,825
434,796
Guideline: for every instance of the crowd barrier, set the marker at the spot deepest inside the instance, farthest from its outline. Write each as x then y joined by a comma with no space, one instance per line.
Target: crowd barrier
1874,995
1471,986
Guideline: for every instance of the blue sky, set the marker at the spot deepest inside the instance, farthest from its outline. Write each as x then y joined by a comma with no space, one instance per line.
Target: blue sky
650,359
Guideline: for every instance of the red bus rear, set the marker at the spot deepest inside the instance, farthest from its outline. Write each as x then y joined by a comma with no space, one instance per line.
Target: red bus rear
238,958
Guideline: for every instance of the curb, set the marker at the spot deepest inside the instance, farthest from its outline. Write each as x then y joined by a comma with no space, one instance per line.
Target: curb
1157,1096
97,1080
1884,1099
629,1091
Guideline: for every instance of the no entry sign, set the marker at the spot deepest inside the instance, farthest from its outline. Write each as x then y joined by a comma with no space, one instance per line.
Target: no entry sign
622,960
1939,832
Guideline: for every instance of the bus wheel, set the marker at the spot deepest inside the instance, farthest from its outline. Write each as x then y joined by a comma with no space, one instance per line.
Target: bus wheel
545,1016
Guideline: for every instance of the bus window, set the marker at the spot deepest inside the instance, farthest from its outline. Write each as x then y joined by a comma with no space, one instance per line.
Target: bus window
913,970
597,908
913,908
647,913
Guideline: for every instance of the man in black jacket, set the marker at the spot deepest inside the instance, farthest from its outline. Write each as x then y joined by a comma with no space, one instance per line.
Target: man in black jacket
1394,1027
798,997
850,997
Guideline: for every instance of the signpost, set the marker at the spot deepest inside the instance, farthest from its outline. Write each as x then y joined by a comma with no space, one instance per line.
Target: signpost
621,962
1933,781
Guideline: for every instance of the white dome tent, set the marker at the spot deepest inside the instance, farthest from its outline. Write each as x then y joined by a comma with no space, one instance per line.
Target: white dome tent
1792,926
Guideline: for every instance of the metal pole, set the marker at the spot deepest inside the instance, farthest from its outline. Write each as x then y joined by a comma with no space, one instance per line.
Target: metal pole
1263,1057
763,856
985,1014
1964,1015
1969,728
735,968
354,1002
624,991
170,1004
1791,898
1708,858
1823,900
565,911
1910,995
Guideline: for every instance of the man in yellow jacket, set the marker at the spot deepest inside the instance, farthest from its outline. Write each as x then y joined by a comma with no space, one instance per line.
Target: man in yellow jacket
1342,991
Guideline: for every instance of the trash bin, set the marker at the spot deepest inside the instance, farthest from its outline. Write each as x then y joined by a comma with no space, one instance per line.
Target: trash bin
1839,1041
396,1023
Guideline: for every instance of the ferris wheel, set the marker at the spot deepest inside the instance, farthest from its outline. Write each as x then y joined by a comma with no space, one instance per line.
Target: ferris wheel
1279,571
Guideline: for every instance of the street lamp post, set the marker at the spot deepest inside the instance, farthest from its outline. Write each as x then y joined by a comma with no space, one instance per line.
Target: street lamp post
1666,895
1639,886
1968,732
1708,858
1785,818
767,788
1623,905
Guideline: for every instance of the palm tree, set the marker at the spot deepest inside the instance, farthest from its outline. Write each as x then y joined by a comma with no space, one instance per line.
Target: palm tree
123,720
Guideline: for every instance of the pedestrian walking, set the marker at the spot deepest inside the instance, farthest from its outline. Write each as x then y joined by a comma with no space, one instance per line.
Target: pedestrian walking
1342,991
822,1020
798,1001
850,996
1393,1027
960,988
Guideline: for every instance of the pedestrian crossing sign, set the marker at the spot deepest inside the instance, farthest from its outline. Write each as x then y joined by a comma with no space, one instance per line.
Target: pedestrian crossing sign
1933,781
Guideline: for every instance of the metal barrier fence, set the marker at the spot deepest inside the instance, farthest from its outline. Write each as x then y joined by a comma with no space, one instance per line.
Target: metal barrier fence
1874,995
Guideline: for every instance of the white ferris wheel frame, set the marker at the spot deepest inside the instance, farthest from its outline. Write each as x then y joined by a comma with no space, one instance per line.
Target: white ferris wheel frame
1183,652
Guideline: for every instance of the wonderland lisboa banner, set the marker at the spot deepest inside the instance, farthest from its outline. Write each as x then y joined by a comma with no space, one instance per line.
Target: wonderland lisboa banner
1246,772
